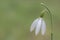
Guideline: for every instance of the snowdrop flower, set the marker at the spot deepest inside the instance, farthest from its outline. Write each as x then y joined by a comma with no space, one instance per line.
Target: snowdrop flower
38,24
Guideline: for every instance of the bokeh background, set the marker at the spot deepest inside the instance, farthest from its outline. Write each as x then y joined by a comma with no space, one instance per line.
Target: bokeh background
16,17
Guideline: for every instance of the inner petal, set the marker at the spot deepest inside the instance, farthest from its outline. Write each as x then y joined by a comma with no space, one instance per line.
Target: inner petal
38,26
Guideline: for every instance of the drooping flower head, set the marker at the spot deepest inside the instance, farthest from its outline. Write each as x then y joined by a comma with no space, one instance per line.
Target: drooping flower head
38,24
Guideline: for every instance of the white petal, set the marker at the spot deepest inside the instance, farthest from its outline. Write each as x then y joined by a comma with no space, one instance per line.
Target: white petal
38,26
43,29
34,24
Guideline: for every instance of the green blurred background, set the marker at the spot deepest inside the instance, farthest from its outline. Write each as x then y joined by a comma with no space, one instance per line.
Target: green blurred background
16,17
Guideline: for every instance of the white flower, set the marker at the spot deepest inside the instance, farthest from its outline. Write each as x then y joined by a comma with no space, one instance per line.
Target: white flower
38,24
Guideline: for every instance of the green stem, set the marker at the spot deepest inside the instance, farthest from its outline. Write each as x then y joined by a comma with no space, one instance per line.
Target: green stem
50,18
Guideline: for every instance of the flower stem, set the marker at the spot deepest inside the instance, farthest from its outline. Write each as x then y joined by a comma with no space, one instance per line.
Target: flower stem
50,18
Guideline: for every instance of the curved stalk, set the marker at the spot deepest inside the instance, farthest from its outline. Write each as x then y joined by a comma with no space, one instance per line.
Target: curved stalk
50,18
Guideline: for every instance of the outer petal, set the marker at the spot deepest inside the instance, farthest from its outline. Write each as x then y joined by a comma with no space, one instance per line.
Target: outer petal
38,26
33,25
43,28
